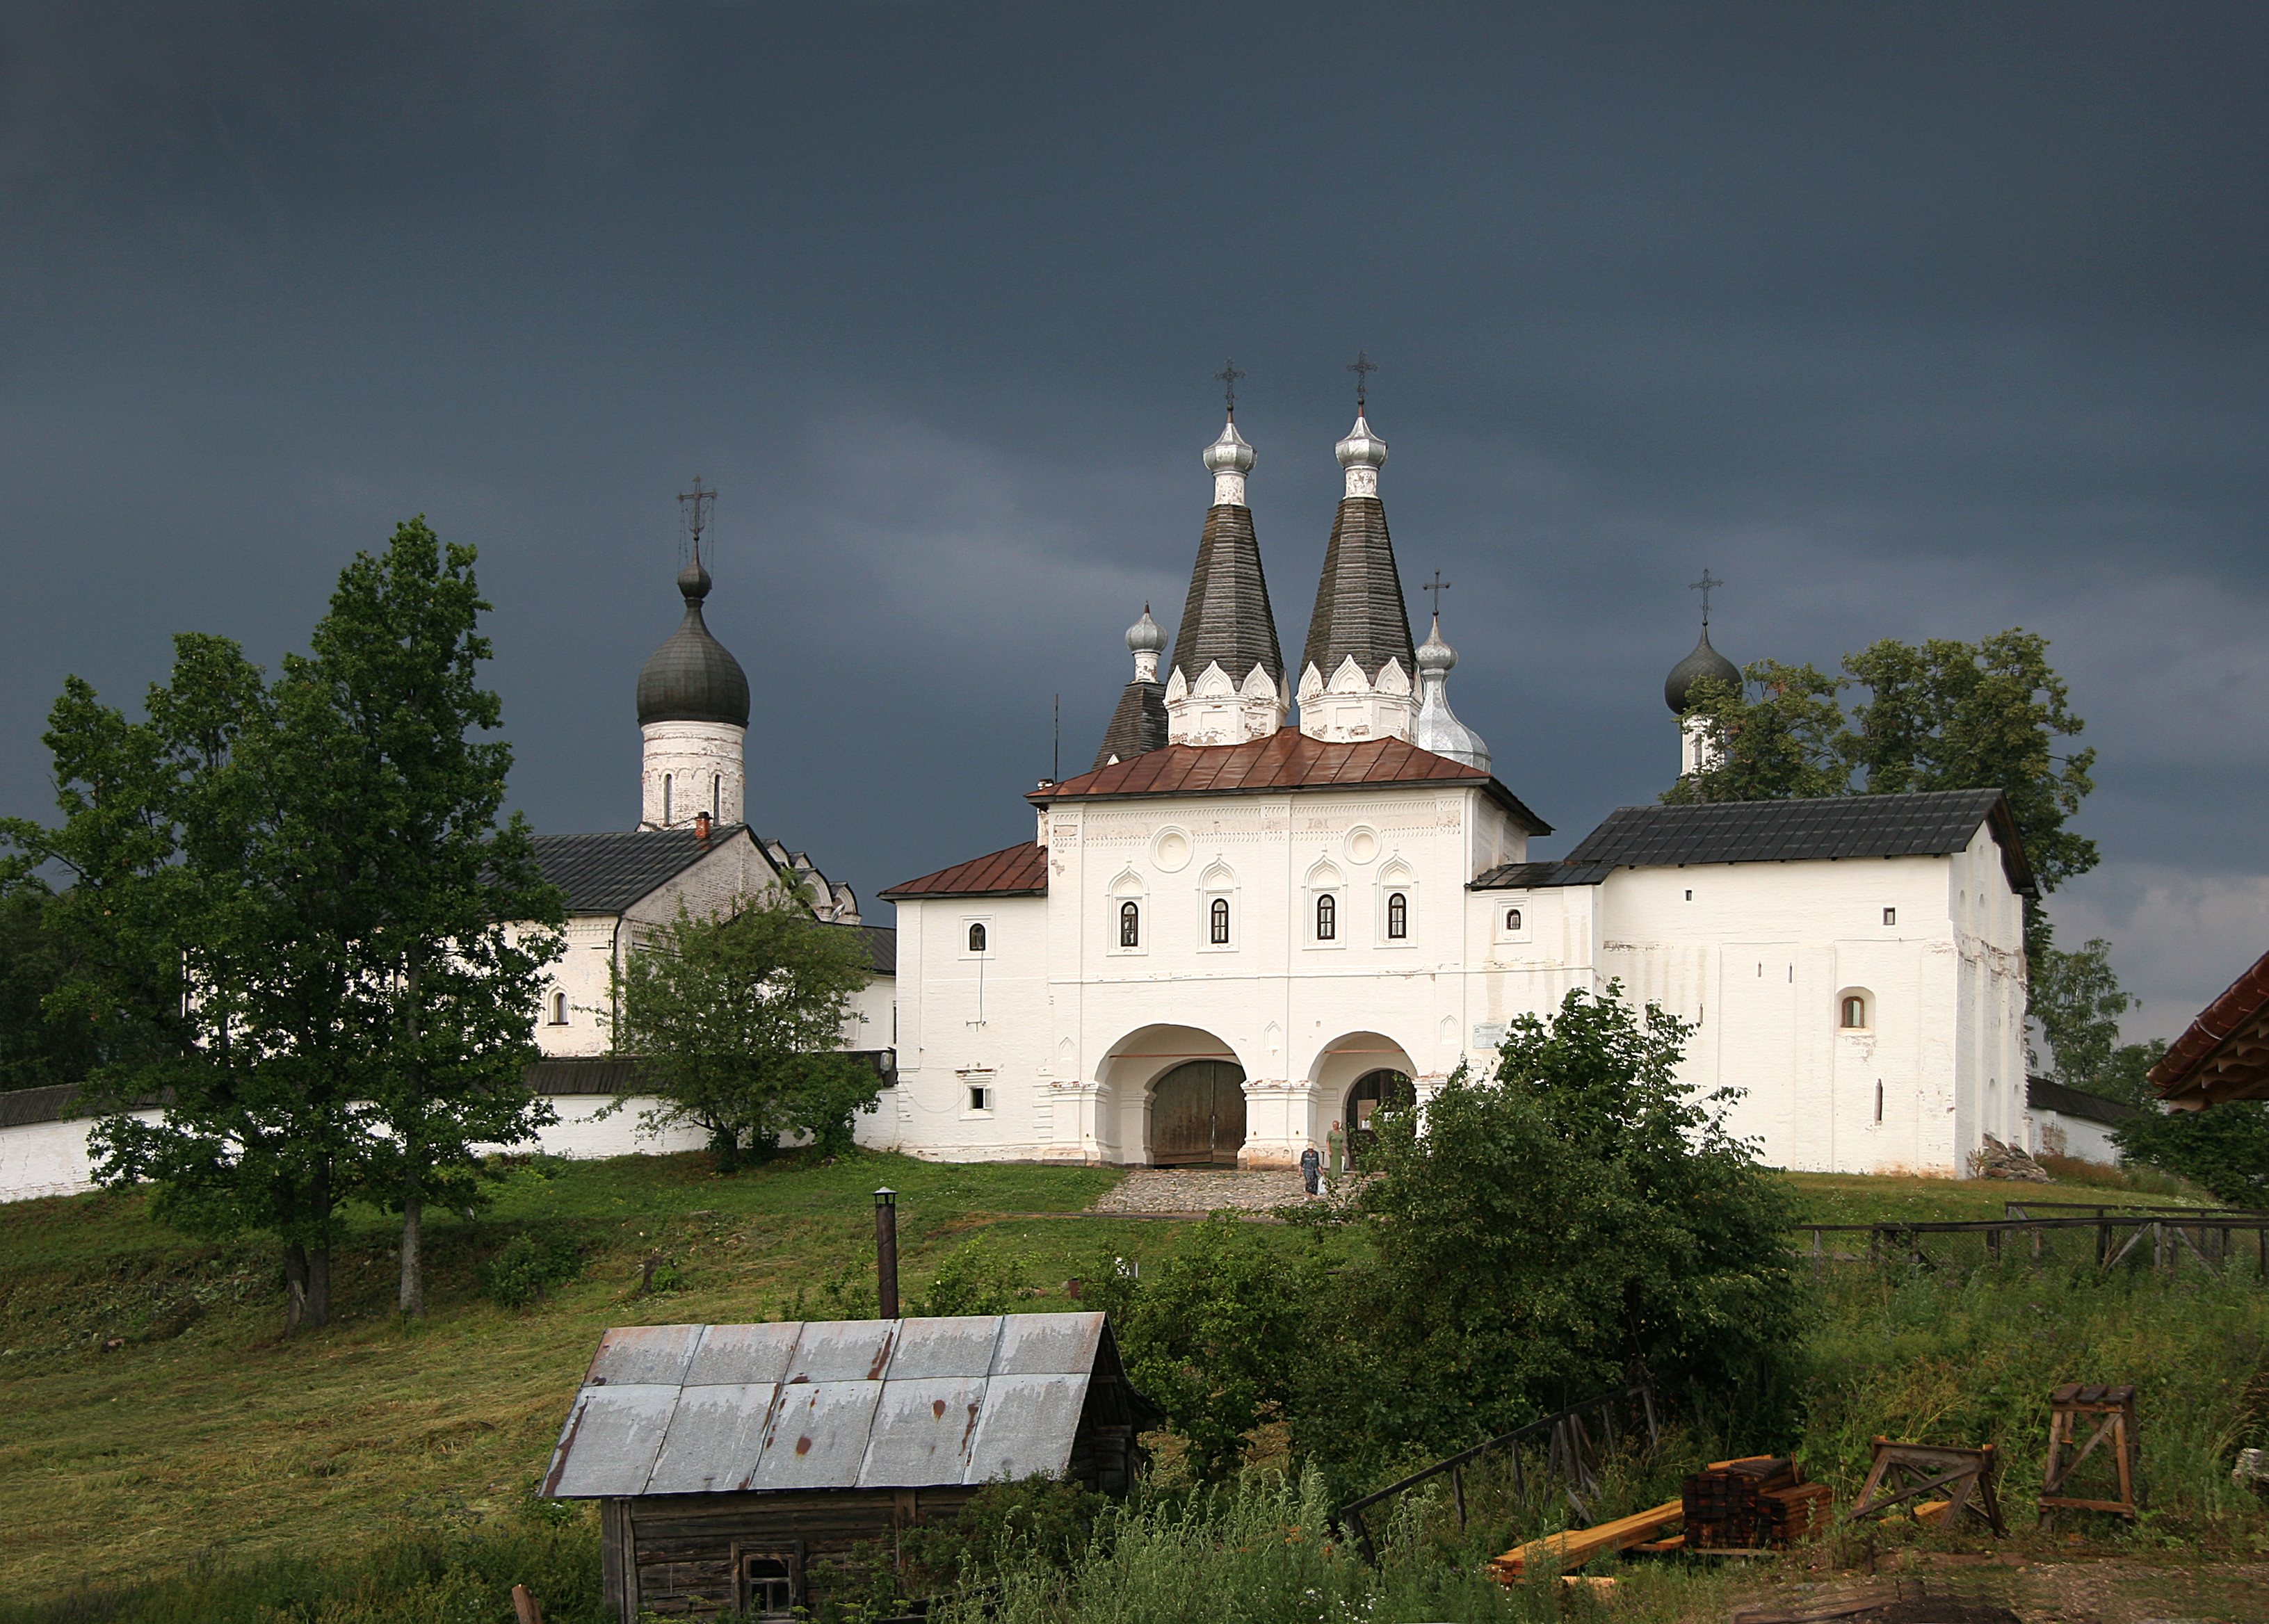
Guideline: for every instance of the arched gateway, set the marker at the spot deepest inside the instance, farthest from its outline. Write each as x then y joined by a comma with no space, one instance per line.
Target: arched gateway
1197,1114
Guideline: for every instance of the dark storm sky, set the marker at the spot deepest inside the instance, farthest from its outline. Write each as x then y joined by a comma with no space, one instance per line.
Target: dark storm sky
1909,321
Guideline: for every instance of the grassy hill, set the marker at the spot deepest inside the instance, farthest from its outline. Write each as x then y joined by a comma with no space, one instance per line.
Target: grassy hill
205,1435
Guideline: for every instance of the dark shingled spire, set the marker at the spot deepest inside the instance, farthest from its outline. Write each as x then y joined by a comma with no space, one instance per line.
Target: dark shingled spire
1359,609
1138,726
1227,617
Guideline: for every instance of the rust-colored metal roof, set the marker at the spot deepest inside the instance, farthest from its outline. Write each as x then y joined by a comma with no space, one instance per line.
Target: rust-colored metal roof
1015,871
1287,760
2224,1056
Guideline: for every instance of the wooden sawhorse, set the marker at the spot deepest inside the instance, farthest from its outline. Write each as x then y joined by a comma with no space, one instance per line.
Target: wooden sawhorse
2112,1411
1913,1470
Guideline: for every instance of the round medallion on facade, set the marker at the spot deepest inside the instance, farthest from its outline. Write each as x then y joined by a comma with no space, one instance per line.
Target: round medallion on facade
1170,850
1362,844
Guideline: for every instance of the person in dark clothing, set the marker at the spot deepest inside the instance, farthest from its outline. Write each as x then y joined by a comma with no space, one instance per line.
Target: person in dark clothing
1311,1166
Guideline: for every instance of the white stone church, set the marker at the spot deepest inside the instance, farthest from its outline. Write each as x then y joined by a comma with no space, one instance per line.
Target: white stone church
1250,921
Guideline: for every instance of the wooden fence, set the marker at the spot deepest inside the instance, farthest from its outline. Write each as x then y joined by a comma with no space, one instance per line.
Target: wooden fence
2106,1237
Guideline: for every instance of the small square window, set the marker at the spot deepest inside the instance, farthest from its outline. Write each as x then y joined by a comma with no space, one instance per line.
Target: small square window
979,1098
1890,916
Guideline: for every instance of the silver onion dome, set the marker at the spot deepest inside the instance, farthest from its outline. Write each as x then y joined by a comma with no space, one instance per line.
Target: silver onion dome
692,677
1362,446
1229,454
1678,688
1144,636
1437,728
1434,654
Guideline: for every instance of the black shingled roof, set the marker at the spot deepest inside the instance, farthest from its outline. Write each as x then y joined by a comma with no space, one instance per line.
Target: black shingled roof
1359,612
1137,726
1227,617
1931,824
606,874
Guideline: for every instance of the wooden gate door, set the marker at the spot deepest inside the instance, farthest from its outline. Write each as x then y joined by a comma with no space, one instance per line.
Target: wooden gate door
1197,1114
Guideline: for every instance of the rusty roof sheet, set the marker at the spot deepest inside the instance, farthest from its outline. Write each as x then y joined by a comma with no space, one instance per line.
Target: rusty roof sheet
2224,1054
1014,871
1287,760
826,1404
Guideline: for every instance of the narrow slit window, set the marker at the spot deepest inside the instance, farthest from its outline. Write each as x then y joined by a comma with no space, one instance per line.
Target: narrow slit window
1218,923
977,938
1397,917
717,798
665,800
1327,918
1879,1099
1890,916
1130,925
559,1009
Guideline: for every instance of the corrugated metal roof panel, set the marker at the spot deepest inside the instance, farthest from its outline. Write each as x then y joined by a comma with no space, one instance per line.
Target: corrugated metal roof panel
842,1350
716,1437
1026,1426
921,1432
651,1353
735,1354
1048,1344
957,1347
610,1440
904,1404
817,1436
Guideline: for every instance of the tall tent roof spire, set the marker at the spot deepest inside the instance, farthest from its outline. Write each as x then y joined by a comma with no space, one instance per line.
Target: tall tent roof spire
1227,619
1360,614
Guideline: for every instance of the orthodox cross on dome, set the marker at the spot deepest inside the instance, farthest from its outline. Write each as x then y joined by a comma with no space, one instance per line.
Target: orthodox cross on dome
1228,375
693,506
1362,367
1706,587
1437,586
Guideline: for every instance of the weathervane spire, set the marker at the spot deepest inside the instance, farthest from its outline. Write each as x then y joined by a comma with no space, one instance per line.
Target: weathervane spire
1706,587
1228,375
693,506
1362,367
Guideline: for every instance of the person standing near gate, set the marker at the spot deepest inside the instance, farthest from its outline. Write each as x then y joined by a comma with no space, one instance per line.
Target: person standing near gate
1310,1164
1337,1142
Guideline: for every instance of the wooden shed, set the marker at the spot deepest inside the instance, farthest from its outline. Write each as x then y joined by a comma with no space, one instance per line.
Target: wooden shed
730,1460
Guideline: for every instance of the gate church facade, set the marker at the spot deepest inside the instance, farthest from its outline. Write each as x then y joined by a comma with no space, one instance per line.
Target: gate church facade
1240,928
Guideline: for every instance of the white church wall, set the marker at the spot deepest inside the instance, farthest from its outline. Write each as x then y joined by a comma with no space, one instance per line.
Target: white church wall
2053,1134
688,768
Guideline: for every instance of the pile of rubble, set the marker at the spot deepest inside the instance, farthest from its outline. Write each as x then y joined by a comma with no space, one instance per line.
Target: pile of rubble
1996,1160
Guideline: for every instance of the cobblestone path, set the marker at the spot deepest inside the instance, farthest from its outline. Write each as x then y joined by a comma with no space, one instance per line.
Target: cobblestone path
1201,1190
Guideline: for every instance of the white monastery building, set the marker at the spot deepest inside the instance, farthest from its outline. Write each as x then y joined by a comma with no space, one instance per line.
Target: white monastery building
1244,925
1249,921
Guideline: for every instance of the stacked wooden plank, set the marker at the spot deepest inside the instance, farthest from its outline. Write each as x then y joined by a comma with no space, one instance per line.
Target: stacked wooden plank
1578,1546
1738,1505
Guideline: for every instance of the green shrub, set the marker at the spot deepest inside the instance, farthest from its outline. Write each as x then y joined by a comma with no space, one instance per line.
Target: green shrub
972,1278
528,1269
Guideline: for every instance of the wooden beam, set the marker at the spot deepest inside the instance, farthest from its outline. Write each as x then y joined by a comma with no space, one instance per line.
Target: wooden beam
1578,1546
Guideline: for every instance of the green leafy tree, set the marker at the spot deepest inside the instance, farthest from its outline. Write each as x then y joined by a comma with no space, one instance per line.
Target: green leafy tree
1216,1335
1787,741
2078,1000
1578,1219
737,1019
2127,1075
453,923
2223,1147
37,1049
198,936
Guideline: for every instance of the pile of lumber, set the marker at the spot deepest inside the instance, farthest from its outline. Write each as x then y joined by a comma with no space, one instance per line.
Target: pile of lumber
1578,1546
1738,1505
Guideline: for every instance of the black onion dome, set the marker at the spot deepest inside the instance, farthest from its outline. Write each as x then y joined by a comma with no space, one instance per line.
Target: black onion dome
692,677
1703,661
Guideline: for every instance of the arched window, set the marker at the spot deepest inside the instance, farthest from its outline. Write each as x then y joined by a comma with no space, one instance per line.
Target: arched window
1130,925
1327,918
1220,921
977,938
1398,915
1855,1010
665,800
1512,920
559,1009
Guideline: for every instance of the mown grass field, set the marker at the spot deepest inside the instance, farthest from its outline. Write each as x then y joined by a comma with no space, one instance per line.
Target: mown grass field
207,1437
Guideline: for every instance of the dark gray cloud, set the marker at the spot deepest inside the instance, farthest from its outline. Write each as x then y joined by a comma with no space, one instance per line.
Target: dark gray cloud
1909,321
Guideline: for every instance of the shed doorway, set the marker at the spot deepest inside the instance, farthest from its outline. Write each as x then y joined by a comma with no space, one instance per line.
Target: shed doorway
1383,1089
1197,1115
